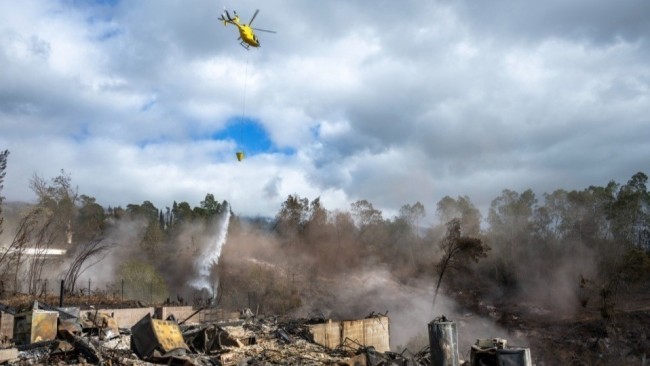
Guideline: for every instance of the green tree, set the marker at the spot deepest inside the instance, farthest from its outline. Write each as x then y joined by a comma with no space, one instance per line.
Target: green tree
142,282
91,219
59,198
211,206
511,222
161,220
587,217
461,208
412,214
630,213
152,239
173,215
551,221
290,220
146,210
116,212
168,218
365,214
373,231
182,213
512,212
345,231
154,235
405,229
317,228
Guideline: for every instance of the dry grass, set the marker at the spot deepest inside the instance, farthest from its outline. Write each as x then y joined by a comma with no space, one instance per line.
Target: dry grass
23,301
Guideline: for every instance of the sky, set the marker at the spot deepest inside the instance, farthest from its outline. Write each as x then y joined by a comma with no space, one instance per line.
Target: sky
395,102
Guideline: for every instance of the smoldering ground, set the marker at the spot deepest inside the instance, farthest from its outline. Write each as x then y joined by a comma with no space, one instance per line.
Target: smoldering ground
341,281
545,280
346,284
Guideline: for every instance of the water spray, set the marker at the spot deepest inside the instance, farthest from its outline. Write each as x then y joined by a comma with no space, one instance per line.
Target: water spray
210,254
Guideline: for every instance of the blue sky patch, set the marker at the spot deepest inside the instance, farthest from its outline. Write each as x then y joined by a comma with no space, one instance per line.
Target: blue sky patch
111,33
104,2
81,135
85,3
148,105
250,136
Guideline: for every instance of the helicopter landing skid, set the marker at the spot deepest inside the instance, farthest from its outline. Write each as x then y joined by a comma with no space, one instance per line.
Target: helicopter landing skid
245,45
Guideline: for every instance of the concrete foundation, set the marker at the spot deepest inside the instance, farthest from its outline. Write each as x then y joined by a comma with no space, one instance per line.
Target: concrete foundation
366,332
6,326
8,354
180,313
217,316
126,318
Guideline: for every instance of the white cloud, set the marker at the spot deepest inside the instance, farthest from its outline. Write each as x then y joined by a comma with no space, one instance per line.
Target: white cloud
394,103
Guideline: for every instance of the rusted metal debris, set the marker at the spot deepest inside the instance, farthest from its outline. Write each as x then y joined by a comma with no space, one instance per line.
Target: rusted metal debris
495,351
82,345
443,341
95,337
35,326
155,338
101,323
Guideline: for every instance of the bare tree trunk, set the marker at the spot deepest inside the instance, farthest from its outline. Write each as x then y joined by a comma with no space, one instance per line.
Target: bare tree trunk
19,243
94,248
41,244
443,268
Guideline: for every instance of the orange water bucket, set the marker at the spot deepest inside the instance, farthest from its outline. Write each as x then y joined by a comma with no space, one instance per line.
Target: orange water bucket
240,155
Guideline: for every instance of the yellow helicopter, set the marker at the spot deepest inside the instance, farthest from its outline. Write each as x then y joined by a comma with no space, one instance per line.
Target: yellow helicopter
246,34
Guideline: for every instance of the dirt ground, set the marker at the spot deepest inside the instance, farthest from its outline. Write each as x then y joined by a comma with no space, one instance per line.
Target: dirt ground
585,337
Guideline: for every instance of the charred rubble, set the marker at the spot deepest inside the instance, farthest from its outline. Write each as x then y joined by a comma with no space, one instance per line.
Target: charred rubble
46,335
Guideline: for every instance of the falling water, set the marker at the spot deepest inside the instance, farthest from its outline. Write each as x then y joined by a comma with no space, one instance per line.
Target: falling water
210,254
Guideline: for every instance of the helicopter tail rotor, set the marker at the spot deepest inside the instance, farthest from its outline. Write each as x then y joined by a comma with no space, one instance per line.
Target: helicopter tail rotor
225,16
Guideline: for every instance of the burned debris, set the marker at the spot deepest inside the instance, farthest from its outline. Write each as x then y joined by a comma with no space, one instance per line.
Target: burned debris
204,337
495,352
70,336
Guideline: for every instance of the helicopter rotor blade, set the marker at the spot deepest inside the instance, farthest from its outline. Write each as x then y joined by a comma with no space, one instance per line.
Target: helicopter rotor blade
254,15
264,30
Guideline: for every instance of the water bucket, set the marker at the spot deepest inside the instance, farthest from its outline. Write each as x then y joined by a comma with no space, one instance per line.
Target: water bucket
240,155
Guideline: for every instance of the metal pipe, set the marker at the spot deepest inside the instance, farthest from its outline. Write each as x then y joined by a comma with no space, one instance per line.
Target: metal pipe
61,294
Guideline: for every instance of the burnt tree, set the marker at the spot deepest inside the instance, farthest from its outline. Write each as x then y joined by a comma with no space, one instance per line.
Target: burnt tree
457,250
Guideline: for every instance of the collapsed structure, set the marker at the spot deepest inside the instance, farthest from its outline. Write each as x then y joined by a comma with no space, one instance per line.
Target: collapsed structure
207,336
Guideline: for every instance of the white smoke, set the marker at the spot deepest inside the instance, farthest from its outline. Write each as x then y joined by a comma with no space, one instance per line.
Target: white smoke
209,256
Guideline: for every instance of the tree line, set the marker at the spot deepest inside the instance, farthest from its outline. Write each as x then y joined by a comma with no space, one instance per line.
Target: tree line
576,246
62,218
598,238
